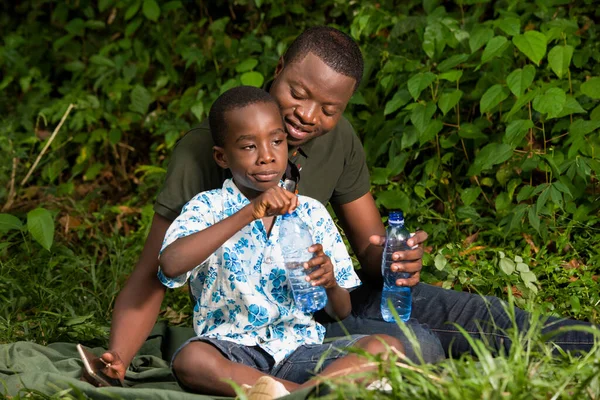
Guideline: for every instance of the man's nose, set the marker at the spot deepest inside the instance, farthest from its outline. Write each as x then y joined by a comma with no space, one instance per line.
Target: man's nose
307,114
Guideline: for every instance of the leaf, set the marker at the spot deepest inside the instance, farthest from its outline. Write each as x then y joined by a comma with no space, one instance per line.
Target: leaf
247,65
469,195
542,199
252,78
516,131
151,10
490,155
434,127
479,37
551,102
591,88
421,115
452,62
133,26
534,220
447,101
452,75
198,110
41,227
394,199
417,83
9,222
430,36
507,265
582,127
132,10
494,48
400,99
559,59
532,44
520,79
140,100
440,262
492,97
571,106
520,103
511,26
101,60
470,131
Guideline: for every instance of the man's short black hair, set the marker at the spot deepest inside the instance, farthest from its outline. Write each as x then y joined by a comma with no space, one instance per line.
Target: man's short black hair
238,97
337,50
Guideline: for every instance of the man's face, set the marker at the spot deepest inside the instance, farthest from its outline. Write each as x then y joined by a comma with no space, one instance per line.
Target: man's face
312,97
255,148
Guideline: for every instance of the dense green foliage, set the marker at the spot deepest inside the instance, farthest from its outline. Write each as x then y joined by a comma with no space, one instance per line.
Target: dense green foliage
480,120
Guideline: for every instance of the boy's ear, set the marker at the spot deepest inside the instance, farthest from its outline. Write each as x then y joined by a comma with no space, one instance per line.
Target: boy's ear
279,67
220,157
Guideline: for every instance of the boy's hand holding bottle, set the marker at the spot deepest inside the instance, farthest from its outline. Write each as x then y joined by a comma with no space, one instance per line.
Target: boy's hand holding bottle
324,275
274,201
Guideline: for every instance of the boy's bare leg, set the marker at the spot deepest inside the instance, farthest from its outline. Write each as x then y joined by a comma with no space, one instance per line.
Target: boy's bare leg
200,367
352,363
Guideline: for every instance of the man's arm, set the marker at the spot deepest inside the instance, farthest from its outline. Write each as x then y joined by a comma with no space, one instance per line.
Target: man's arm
138,304
362,224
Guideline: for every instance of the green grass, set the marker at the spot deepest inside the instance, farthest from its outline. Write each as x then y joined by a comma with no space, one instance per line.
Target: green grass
67,294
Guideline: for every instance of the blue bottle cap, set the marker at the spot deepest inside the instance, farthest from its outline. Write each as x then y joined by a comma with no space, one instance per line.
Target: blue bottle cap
396,217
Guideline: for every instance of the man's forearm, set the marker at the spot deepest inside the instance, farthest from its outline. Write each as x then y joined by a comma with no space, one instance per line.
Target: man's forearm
135,313
138,304
370,261
339,305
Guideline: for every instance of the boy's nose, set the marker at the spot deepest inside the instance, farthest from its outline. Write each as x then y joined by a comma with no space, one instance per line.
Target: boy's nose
266,157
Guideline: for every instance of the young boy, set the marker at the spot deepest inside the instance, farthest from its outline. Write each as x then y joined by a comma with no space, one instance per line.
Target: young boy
225,241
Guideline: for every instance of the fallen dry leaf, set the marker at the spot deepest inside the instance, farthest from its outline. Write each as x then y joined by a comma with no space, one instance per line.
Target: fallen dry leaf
470,239
471,250
529,241
68,222
173,316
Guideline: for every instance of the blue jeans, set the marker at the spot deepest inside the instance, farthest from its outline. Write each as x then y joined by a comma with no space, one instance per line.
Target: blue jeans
482,317
298,367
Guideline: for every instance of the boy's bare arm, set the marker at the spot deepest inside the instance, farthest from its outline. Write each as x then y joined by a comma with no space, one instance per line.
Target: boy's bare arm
186,253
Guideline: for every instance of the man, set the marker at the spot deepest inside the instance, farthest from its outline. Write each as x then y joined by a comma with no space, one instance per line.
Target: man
313,83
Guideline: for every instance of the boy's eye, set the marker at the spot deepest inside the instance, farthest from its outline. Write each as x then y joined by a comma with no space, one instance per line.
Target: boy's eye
248,147
278,141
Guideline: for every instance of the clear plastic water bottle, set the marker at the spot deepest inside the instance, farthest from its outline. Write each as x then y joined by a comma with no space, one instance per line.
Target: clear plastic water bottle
400,296
295,239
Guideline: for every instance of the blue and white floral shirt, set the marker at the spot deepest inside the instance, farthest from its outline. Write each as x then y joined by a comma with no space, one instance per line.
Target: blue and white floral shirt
241,294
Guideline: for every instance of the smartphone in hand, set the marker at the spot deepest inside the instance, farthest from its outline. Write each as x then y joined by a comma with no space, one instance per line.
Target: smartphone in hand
93,369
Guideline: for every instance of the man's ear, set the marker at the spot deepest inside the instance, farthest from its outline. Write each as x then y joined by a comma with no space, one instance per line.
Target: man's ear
220,157
279,67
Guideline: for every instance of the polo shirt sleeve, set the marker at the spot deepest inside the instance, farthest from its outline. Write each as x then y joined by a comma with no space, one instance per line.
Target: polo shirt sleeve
195,217
354,182
326,233
191,170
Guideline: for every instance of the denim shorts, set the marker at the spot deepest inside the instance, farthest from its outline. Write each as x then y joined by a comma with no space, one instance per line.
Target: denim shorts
301,365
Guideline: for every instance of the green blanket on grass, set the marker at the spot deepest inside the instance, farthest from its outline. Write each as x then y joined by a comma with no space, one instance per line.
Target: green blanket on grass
29,367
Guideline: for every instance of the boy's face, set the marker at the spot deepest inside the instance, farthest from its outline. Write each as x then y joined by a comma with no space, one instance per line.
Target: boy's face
255,148
312,97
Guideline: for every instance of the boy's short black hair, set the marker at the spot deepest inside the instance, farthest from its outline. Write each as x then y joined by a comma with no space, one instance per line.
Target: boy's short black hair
337,50
232,99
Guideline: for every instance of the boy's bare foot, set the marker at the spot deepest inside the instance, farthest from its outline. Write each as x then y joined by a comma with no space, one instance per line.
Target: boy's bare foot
266,388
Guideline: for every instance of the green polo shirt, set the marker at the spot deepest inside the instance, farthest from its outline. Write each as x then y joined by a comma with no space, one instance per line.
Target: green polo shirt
332,169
